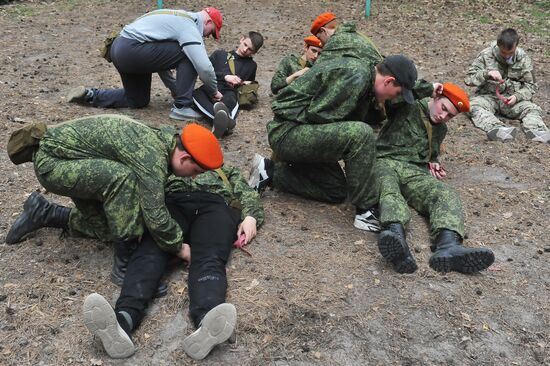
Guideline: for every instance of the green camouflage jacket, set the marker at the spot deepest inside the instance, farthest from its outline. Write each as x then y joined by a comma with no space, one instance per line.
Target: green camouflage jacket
404,136
519,79
347,42
334,91
211,182
288,66
143,149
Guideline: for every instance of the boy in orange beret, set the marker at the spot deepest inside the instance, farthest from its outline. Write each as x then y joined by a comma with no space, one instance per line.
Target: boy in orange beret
408,172
343,40
292,67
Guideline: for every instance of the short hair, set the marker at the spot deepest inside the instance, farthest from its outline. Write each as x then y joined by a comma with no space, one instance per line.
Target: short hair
508,38
257,40
384,70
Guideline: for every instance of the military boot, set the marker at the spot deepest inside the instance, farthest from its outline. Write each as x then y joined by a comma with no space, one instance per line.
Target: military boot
123,251
393,247
37,213
450,255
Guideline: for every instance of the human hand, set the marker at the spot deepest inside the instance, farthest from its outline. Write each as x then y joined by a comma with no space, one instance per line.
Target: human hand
437,170
248,227
296,75
510,101
495,75
438,89
217,97
233,80
185,254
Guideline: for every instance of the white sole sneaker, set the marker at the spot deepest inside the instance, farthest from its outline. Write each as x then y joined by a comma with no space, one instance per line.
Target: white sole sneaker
220,123
368,225
216,327
255,172
100,319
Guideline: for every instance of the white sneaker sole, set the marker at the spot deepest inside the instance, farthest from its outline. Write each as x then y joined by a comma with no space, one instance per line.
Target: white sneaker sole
367,226
100,319
216,327
254,180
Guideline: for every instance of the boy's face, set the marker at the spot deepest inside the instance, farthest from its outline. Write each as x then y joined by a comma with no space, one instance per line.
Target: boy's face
183,165
312,53
245,48
505,53
386,88
441,110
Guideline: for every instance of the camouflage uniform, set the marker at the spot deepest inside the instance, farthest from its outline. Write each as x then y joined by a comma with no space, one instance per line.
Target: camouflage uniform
114,169
318,121
348,42
519,81
403,152
238,195
288,66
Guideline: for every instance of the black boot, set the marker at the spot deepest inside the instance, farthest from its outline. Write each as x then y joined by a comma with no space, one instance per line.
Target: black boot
123,251
450,255
37,212
393,247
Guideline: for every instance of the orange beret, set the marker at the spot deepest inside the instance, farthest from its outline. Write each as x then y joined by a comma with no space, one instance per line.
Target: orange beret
313,41
321,21
202,145
457,96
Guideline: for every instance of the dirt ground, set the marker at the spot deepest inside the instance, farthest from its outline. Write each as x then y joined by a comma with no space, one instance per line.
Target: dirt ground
316,290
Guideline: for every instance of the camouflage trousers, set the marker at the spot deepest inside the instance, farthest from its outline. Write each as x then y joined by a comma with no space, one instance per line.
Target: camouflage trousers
104,192
308,162
402,184
485,107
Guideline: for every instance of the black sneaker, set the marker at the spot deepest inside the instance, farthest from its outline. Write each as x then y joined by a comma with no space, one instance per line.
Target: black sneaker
261,173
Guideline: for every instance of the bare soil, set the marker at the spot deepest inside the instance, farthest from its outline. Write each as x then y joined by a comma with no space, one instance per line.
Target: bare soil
316,290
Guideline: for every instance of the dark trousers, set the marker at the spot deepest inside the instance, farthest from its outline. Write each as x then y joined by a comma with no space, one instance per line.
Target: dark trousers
210,228
136,62
206,105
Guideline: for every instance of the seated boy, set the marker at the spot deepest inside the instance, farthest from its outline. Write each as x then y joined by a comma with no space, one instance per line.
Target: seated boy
233,69
218,200
408,173
292,67
505,68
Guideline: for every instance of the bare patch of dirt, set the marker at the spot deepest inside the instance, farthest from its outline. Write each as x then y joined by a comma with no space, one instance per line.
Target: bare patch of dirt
316,291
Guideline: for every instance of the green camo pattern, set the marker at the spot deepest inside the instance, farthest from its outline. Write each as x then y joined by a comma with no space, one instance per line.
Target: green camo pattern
404,184
347,42
114,168
307,161
288,66
211,182
519,79
401,171
404,136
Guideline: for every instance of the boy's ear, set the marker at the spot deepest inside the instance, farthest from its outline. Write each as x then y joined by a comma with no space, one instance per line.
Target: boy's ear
388,80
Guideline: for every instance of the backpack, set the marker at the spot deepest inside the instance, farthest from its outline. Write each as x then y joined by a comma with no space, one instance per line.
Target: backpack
247,94
23,142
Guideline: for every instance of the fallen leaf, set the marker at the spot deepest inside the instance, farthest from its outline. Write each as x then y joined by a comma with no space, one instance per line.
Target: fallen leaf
253,284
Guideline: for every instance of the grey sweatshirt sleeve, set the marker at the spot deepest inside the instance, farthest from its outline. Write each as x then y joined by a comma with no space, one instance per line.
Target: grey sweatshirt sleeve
181,26
199,58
